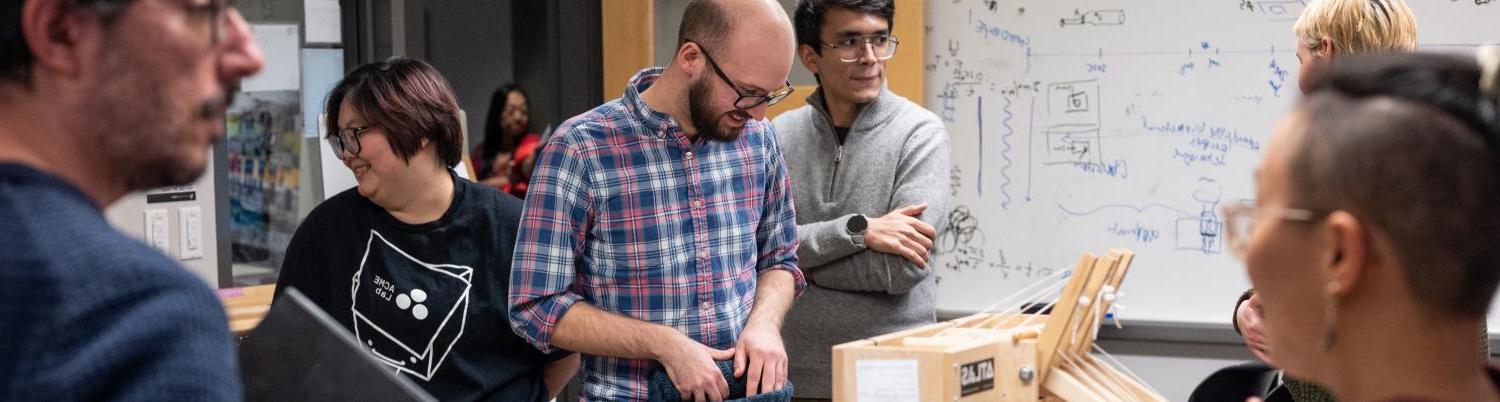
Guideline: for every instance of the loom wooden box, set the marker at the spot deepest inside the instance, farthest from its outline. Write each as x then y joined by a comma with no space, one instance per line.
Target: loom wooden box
1009,357
959,360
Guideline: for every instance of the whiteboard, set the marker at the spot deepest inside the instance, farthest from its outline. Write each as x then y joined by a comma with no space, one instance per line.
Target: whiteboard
1084,125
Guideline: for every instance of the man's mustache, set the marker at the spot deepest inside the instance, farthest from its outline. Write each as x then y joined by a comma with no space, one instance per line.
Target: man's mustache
216,107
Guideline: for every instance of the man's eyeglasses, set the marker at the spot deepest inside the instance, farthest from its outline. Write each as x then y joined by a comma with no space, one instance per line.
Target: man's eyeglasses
1240,219
851,48
347,139
212,11
746,100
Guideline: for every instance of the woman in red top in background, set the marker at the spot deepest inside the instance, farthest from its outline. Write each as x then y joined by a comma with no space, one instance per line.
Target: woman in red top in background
504,159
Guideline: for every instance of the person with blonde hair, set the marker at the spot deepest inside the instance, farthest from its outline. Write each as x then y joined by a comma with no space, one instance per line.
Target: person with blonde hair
1330,28
1325,30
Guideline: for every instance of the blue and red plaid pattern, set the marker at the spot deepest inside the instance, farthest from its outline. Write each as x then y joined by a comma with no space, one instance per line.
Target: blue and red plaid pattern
626,214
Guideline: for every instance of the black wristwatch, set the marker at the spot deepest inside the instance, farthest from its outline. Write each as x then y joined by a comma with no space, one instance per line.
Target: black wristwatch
857,225
856,228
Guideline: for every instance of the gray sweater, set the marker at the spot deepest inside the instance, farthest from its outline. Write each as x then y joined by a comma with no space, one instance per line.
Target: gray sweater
896,154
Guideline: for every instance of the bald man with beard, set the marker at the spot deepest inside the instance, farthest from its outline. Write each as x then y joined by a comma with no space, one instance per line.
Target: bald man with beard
658,232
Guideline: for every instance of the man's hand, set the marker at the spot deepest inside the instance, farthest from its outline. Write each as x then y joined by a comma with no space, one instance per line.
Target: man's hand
760,349
901,233
1254,328
691,366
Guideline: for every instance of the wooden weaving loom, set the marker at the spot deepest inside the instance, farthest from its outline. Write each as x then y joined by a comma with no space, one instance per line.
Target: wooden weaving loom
1004,356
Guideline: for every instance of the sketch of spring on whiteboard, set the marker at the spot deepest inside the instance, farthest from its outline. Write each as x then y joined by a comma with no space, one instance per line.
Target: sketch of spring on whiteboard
1080,125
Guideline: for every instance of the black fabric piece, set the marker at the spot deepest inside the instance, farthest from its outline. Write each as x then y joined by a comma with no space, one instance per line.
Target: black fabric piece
1235,383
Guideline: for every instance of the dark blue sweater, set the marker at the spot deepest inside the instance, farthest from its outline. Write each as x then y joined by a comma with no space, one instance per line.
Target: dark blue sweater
87,313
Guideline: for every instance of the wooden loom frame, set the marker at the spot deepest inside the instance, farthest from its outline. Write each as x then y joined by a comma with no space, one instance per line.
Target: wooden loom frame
1046,360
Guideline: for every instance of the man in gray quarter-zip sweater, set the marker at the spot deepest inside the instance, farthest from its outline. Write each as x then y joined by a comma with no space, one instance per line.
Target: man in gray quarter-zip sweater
869,173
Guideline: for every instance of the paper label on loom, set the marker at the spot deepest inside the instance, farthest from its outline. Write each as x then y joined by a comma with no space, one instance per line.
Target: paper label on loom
976,377
886,381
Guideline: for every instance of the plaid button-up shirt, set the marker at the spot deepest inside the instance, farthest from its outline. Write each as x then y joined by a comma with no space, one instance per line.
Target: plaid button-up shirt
626,214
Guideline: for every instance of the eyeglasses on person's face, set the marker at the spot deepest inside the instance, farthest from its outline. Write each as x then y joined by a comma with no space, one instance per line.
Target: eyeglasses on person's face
850,49
347,139
1240,220
746,99
212,13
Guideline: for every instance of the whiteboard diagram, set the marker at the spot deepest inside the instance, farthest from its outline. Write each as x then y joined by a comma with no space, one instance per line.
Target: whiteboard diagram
1088,125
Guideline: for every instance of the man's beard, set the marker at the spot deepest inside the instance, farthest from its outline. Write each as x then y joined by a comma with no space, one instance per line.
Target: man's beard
704,120
139,128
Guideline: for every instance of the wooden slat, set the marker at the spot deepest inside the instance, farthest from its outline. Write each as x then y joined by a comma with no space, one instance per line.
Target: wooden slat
1089,319
1062,314
1124,382
1094,380
1068,387
1078,325
925,330
1116,277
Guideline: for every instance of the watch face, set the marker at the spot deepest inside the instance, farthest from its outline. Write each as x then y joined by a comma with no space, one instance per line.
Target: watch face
857,224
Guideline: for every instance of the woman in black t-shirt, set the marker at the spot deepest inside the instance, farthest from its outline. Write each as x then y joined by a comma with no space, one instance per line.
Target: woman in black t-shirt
416,261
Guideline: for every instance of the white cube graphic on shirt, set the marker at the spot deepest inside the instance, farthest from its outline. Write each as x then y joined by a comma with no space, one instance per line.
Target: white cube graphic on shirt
407,312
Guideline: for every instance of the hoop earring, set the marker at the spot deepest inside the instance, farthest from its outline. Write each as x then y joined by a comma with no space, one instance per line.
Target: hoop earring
1332,315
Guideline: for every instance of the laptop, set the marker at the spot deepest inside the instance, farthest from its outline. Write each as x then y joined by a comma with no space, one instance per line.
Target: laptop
300,353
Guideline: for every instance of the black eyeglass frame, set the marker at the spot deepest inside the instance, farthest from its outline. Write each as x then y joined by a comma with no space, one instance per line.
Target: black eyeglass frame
216,10
347,139
891,43
769,99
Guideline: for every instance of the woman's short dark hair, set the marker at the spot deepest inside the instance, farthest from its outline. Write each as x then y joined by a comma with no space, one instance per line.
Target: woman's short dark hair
495,140
1408,144
408,99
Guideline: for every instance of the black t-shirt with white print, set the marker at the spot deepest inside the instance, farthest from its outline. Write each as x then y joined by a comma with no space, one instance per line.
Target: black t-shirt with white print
428,300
